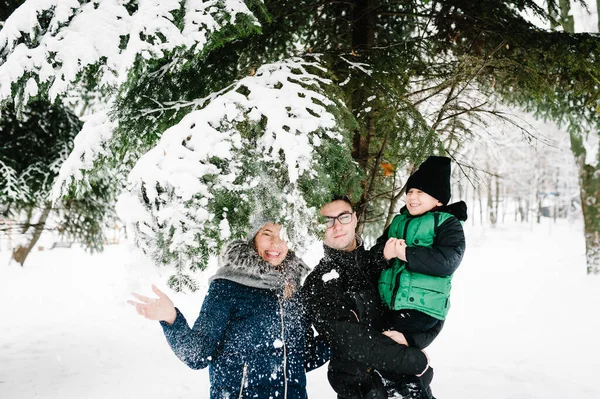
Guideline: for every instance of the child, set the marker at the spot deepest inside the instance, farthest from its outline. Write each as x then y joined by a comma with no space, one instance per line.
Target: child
425,244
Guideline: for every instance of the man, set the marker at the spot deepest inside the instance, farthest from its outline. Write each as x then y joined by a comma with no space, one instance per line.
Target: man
343,304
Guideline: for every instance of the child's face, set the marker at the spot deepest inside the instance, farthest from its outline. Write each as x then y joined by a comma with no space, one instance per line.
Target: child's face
418,202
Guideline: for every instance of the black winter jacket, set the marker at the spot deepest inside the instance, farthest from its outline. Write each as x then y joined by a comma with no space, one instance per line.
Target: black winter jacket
343,304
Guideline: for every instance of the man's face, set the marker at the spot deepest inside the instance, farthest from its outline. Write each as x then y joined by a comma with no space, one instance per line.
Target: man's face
340,236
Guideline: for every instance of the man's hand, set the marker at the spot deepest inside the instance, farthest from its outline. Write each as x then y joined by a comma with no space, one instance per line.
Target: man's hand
161,309
396,336
427,367
400,339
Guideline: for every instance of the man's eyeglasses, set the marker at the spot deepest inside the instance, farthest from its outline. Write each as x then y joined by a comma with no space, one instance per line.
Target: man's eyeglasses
343,218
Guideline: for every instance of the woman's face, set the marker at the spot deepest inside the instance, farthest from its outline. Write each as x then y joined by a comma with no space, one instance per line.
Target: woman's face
269,245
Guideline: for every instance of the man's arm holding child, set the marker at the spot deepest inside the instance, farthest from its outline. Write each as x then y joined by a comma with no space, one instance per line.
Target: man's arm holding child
350,338
422,339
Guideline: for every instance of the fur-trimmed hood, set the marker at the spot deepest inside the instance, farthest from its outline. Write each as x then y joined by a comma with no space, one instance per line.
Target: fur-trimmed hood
239,262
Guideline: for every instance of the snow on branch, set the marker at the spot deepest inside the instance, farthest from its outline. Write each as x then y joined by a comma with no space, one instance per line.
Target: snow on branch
48,44
13,186
591,143
88,145
260,147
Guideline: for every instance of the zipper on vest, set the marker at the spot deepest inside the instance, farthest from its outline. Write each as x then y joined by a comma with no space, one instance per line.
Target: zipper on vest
244,376
405,232
397,280
285,382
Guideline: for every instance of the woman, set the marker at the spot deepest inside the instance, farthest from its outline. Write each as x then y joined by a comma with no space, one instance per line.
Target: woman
251,330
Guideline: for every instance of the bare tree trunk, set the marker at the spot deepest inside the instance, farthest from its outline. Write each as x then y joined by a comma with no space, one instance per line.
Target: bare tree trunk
497,204
490,202
539,209
589,181
504,206
566,20
538,197
362,159
363,38
474,196
20,253
590,204
598,8
480,206
27,223
521,211
556,196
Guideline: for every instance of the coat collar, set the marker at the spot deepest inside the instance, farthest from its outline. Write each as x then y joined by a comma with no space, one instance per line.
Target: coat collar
239,262
340,255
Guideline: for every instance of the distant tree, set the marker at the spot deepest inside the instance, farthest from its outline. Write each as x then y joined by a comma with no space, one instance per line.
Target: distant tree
33,146
568,93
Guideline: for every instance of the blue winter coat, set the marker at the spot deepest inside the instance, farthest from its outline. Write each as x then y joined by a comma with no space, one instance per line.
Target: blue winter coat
254,340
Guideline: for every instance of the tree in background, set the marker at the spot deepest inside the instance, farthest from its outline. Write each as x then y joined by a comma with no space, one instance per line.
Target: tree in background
552,74
584,130
214,108
272,142
569,95
515,180
33,147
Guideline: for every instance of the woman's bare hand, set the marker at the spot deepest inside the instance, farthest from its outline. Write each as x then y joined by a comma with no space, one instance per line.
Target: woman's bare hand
161,308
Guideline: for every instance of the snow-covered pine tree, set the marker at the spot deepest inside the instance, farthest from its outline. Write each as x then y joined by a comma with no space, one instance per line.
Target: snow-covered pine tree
270,144
157,62
32,148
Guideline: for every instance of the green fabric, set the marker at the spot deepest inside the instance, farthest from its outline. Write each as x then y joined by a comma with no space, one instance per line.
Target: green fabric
401,288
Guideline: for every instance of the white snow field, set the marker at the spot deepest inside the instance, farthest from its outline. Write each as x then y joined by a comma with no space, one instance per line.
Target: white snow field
524,324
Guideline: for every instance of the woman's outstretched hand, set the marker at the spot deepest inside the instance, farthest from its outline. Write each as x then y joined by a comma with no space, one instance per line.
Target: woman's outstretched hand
161,308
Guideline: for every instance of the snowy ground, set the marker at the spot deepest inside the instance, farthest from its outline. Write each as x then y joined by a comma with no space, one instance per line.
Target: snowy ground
524,324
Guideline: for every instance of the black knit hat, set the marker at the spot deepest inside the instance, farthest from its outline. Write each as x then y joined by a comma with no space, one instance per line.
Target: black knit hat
432,177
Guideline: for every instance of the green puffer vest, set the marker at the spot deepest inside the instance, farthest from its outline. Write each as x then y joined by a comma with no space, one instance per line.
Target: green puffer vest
401,288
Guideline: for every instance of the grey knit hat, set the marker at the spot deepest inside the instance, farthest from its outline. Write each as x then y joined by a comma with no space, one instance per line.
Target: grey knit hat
256,222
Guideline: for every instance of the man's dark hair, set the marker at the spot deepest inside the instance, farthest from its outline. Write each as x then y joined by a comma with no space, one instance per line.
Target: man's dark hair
344,198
